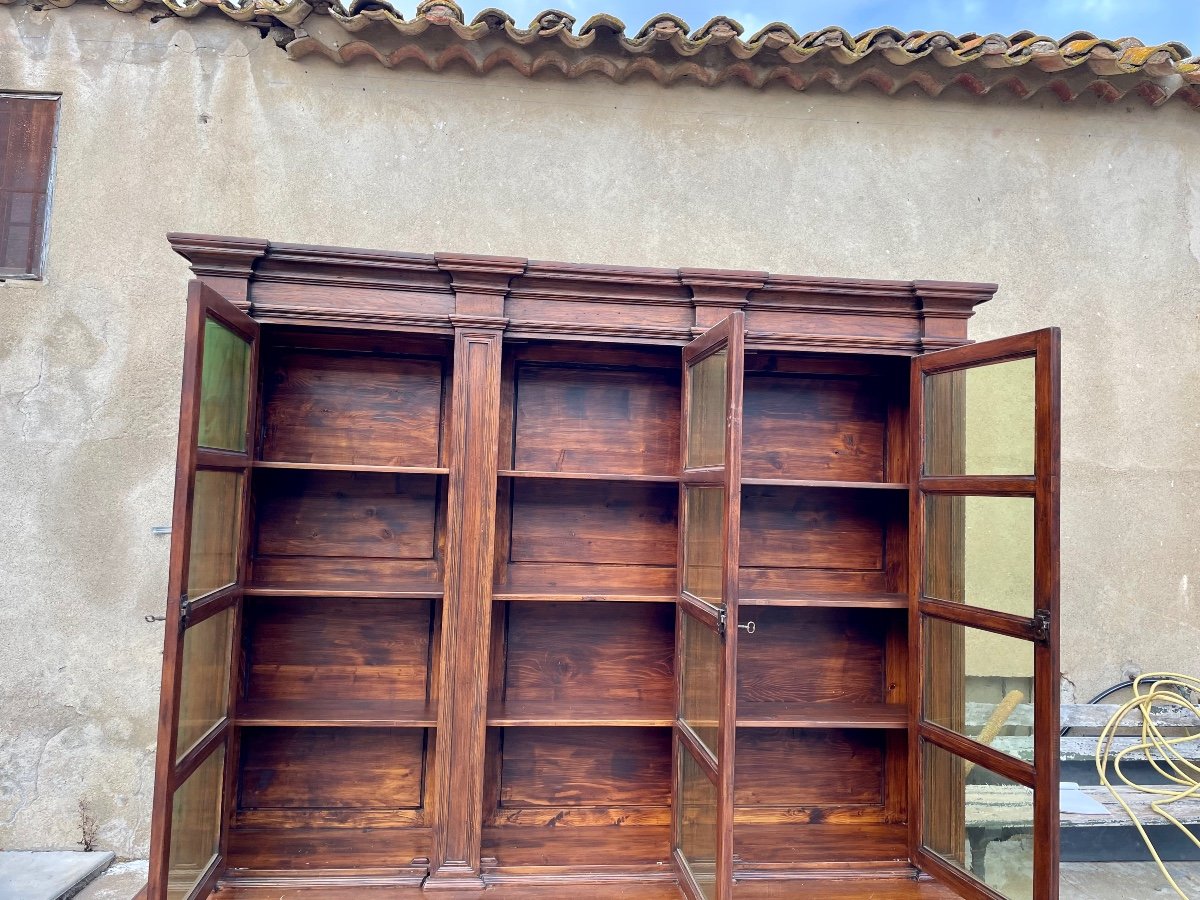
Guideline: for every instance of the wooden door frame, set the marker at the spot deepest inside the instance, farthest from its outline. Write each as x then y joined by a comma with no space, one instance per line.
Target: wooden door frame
203,302
1043,487
728,334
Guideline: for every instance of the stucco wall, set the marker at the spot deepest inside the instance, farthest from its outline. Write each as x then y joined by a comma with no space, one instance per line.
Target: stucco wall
1088,217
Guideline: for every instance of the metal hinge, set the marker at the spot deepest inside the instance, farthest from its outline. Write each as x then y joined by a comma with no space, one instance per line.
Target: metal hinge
1041,625
184,608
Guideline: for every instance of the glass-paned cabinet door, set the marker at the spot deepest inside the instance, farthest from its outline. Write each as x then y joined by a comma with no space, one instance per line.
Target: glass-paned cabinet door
710,501
985,582
205,594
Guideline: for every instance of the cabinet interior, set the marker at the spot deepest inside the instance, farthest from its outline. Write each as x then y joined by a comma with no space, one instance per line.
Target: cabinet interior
341,627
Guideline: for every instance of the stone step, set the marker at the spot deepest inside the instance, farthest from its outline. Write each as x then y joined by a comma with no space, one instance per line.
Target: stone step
49,874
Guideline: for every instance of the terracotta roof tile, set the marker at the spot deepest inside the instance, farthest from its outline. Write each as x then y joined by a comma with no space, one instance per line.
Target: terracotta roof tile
667,49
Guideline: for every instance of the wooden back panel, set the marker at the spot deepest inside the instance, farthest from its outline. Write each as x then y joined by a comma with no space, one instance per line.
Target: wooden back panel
325,406
584,767
347,530
587,652
596,419
807,426
812,656
820,539
330,649
332,768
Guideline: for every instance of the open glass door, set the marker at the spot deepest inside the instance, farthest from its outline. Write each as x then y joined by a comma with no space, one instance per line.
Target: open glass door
705,659
205,591
984,618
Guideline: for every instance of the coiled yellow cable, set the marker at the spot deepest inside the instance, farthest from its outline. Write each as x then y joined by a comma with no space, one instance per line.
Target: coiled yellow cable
1161,688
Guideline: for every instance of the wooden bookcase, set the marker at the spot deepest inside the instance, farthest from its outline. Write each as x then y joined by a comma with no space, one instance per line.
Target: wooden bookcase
515,576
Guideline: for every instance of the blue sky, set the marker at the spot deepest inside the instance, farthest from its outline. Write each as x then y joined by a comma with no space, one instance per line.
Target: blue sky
1153,21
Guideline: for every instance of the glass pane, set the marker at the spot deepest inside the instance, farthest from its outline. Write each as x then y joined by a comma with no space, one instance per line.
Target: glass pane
962,801
980,684
204,682
224,388
979,551
698,823
195,825
706,411
704,512
980,421
700,680
214,546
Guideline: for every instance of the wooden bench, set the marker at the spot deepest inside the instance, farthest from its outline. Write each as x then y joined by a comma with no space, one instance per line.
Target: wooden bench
1077,747
998,812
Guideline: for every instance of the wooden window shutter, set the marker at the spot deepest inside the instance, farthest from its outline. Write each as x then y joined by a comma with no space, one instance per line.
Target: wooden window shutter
27,133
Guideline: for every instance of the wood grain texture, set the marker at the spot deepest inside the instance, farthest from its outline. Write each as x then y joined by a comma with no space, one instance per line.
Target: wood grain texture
588,652
315,849
822,715
569,713
351,514
579,399
351,408
337,713
612,846
799,426
782,767
458,781
847,887
322,768
337,650
567,767
812,528
782,846
594,522
596,419
860,600
317,575
812,656
604,580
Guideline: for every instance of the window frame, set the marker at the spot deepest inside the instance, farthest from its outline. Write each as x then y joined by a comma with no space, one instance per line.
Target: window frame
39,261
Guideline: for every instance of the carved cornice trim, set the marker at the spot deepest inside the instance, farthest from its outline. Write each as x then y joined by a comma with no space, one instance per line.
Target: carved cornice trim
280,314
220,256
641,333
476,291
722,287
774,340
479,323
953,297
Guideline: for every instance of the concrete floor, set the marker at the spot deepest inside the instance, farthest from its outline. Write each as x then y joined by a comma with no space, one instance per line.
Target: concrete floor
1127,881
1080,881
120,882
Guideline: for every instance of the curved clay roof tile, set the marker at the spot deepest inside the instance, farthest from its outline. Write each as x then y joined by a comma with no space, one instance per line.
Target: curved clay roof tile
1022,64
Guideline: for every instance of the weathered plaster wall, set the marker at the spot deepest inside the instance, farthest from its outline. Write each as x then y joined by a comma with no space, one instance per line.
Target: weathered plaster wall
1088,217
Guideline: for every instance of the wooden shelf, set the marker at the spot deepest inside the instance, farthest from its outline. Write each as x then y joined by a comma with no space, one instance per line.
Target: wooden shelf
822,715
818,483
526,849
585,598
337,713
341,594
341,467
568,714
587,476
874,600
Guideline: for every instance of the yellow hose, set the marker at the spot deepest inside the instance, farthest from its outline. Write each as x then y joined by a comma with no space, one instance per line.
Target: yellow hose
1163,688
